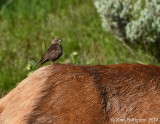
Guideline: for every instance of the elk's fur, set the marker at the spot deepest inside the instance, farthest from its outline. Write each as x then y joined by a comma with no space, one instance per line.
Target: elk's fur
63,94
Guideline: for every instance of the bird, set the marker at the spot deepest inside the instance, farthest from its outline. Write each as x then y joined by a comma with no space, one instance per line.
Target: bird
53,53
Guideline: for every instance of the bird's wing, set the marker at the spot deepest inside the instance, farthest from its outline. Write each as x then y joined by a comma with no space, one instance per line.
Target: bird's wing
48,53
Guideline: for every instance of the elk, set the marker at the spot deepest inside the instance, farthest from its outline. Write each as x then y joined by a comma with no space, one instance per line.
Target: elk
74,94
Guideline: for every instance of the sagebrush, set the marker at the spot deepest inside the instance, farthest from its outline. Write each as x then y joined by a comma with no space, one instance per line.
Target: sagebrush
133,20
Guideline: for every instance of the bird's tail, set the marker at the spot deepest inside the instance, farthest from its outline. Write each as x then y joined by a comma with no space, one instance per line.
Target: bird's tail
38,65
41,62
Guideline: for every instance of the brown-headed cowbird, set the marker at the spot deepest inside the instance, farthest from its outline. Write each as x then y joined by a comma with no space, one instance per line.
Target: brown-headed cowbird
53,53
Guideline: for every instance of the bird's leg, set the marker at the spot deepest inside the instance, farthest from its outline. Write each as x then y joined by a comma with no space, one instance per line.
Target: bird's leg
52,61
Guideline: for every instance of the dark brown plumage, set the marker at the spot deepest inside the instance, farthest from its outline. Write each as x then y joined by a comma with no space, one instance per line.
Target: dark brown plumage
53,53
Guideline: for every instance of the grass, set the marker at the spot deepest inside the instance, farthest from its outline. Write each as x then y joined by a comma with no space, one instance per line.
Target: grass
27,28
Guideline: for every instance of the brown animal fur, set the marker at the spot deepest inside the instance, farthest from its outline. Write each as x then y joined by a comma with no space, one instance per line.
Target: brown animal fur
71,94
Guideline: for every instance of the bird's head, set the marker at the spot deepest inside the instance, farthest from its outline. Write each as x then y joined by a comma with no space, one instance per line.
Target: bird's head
56,40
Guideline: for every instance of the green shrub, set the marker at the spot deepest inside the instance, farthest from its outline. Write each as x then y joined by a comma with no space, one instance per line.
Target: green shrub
132,20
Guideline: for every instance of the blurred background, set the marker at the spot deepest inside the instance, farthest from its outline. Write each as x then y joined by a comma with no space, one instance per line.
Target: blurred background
93,32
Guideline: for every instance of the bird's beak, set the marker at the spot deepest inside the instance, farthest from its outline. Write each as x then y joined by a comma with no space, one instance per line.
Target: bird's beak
60,40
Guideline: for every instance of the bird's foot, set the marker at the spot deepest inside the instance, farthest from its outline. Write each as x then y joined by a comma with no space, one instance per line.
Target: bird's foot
56,63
